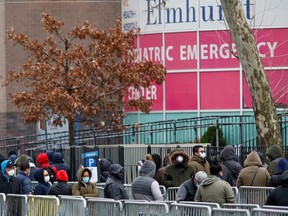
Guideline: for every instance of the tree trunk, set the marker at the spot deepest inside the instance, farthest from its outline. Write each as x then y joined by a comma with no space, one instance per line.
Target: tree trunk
267,123
71,133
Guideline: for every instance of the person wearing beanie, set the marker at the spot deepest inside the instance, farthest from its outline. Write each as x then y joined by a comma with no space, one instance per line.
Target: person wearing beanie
8,182
187,189
61,187
278,197
213,189
145,187
275,180
114,187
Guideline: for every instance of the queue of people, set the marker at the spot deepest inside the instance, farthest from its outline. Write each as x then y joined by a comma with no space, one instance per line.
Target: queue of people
198,179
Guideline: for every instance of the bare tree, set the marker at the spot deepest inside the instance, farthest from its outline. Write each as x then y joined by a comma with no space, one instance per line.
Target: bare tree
267,123
84,72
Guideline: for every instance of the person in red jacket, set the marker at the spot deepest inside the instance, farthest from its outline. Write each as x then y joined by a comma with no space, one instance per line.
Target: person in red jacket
43,162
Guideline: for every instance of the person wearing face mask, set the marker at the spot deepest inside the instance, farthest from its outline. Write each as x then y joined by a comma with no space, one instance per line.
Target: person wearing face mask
44,184
114,187
84,187
187,189
198,161
179,170
8,182
23,177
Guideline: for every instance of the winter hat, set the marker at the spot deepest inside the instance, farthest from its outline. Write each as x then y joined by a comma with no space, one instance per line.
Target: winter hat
62,176
42,160
200,176
282,166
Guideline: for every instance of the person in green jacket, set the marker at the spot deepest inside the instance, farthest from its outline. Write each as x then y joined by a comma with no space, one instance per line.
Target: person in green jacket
178,171
274,154
213,189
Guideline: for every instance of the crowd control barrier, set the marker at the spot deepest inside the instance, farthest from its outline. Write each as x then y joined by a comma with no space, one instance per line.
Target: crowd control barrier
236,194
107,207
187,209
145,208
70,205
249,207
230,212
2,203
275,207
43,205
254,195
16,204
171,193
212,205
269,212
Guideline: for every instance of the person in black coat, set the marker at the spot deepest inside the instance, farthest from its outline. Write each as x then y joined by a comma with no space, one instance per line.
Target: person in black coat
281,167
114,187
8,182
105,165
43,178
61,188
278,196
58,162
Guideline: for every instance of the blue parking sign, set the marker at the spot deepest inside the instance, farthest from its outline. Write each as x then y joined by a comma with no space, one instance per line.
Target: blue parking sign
90,162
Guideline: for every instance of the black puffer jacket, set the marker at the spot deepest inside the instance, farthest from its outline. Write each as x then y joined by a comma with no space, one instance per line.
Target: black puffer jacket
58,162
104,169
60,188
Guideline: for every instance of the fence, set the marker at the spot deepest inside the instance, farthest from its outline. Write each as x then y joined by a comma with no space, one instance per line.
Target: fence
76,206
237,129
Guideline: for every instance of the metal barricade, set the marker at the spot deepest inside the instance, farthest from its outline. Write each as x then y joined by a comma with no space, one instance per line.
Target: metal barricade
145,208
100,192
249,207
72,206
236,194
107,207
230,212
2,203
275,207
212,205
187,209
269,212
171,193
254,195
43,205
16,204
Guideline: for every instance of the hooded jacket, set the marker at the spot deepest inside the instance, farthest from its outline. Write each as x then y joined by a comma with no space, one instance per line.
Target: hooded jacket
227,157
253,173
105,165
175,174
145,187
279,196
58,162
84,189
42,187
274,153
23,158
9,184
114,187
215,190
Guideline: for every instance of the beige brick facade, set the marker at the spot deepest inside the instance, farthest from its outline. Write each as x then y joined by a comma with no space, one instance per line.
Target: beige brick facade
25,17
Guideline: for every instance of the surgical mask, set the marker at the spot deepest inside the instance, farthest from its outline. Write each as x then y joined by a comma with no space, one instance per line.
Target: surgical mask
46,178
11,172
179,158
202,154
85,179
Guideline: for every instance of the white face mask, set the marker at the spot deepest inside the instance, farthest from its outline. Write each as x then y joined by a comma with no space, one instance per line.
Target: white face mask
179,158
202,154
11,172
46,178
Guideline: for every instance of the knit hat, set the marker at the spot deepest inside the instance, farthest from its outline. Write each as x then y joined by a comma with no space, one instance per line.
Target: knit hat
62,176
282,166
200,176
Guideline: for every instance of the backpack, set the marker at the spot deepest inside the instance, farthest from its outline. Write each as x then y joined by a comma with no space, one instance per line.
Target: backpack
232,175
